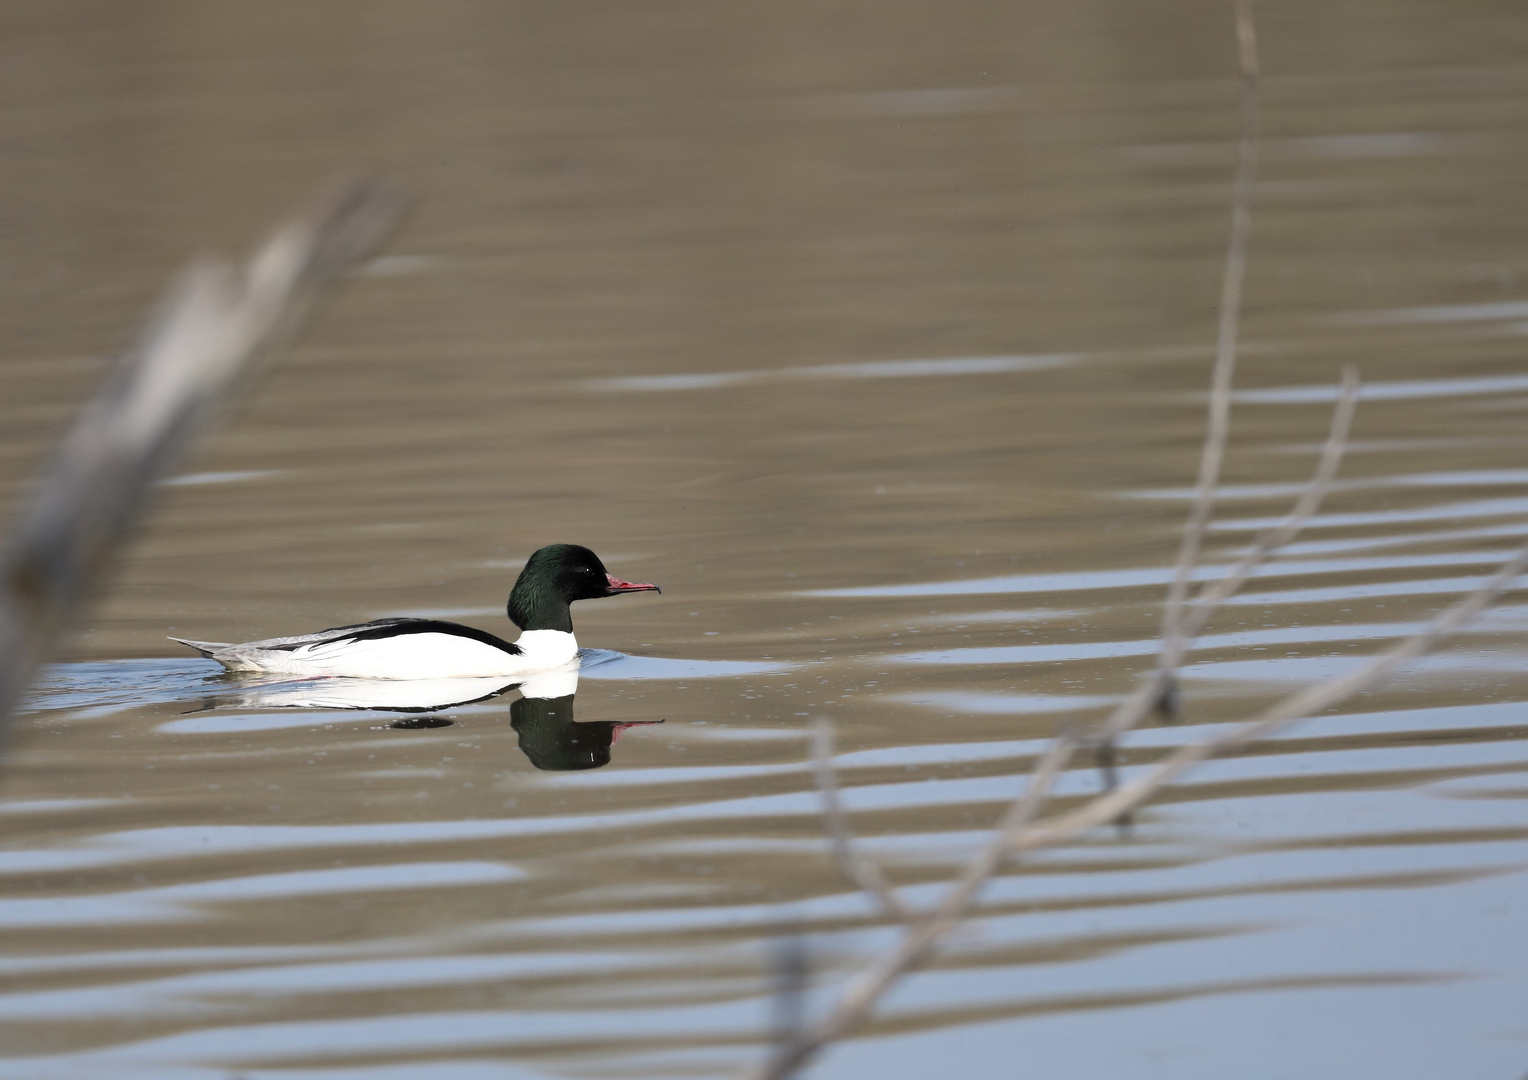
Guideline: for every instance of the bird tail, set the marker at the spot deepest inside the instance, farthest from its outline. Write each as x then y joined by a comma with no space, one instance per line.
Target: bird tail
209,649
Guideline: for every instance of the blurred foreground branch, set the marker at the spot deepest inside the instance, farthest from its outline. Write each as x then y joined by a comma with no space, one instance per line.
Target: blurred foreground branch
213,328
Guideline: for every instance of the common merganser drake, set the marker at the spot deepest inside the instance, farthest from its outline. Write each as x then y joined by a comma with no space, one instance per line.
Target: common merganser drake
553,578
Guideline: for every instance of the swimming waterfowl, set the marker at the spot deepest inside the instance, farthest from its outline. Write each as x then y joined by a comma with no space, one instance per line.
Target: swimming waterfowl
554,577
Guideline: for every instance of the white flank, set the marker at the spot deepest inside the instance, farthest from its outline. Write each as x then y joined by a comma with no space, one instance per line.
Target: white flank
412,656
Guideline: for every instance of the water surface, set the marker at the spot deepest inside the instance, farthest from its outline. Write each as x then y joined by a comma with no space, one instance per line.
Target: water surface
879,339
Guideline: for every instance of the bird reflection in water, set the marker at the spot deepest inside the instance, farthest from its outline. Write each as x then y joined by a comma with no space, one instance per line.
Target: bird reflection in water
543,718
542,715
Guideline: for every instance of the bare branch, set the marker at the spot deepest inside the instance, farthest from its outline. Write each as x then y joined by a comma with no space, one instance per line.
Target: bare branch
1214,594
1162,680
1019,830
1226,337
1158,690
860,997
858,869
1023,811
1296,706
211,329
1017,833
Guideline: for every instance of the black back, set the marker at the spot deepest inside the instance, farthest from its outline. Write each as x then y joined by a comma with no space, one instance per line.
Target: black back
389,628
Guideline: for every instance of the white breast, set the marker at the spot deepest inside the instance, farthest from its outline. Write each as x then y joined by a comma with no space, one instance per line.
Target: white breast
543,650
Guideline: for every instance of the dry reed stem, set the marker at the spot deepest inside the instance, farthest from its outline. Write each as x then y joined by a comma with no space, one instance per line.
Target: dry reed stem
212,327
856,867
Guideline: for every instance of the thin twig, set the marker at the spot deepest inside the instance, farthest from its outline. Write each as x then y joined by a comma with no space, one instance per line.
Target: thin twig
1158,690
1214,594
1023,811
859,998
1219,425
212,328
856,867
1298,705
1162,679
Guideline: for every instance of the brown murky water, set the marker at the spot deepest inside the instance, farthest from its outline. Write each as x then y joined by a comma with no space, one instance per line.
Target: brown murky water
876,334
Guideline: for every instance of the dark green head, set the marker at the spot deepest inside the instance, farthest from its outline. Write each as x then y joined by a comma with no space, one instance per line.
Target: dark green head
553,578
